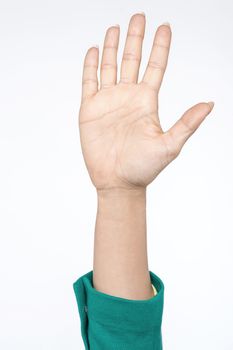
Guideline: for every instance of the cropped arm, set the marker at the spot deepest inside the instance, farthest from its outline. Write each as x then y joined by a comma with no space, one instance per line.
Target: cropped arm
113,323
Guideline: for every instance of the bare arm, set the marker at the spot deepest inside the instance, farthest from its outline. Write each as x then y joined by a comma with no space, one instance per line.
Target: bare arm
120,249
125,149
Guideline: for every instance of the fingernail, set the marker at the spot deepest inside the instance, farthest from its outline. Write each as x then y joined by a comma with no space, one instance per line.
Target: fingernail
142,13
96,46
116,25
211,104
166,24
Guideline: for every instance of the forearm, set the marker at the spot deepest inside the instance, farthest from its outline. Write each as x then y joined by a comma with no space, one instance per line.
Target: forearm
120,245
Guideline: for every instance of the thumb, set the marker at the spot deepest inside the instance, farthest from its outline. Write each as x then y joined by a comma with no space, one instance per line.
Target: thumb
179,133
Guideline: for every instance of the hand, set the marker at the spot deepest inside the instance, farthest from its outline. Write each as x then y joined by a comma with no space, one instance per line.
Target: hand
122,141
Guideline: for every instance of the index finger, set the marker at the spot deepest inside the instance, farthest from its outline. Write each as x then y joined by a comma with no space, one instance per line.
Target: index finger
157,64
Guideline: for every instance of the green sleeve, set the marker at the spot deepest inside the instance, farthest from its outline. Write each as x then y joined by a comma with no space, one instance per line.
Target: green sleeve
114,323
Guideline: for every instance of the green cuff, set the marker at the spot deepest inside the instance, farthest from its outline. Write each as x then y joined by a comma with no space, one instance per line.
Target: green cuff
114,323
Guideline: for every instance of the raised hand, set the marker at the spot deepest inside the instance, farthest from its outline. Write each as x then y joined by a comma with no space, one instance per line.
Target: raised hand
122,141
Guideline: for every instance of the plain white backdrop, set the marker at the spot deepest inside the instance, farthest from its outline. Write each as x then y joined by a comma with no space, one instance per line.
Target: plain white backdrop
48,203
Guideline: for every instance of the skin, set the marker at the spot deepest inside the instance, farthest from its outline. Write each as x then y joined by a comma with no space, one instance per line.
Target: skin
125,148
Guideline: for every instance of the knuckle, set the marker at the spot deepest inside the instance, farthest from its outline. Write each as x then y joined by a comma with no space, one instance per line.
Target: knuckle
130,56
110,47
187,127
156,44
106,85
125,80
156,65
174,151
91,66
173,147
134,34
106,65
153,88
89,81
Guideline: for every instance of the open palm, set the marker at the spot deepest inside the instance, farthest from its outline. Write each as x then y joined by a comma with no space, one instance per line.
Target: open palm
122,141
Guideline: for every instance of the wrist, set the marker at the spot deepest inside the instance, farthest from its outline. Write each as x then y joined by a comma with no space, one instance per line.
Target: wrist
121,205
121,192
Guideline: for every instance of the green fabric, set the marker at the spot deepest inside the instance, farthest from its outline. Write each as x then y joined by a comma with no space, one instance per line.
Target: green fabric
114,323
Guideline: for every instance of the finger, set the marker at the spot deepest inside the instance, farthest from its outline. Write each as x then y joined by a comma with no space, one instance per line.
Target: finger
89,78
108,68
180,132
133,49
157,63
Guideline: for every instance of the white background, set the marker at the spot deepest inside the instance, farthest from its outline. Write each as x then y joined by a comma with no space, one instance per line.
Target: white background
48,203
